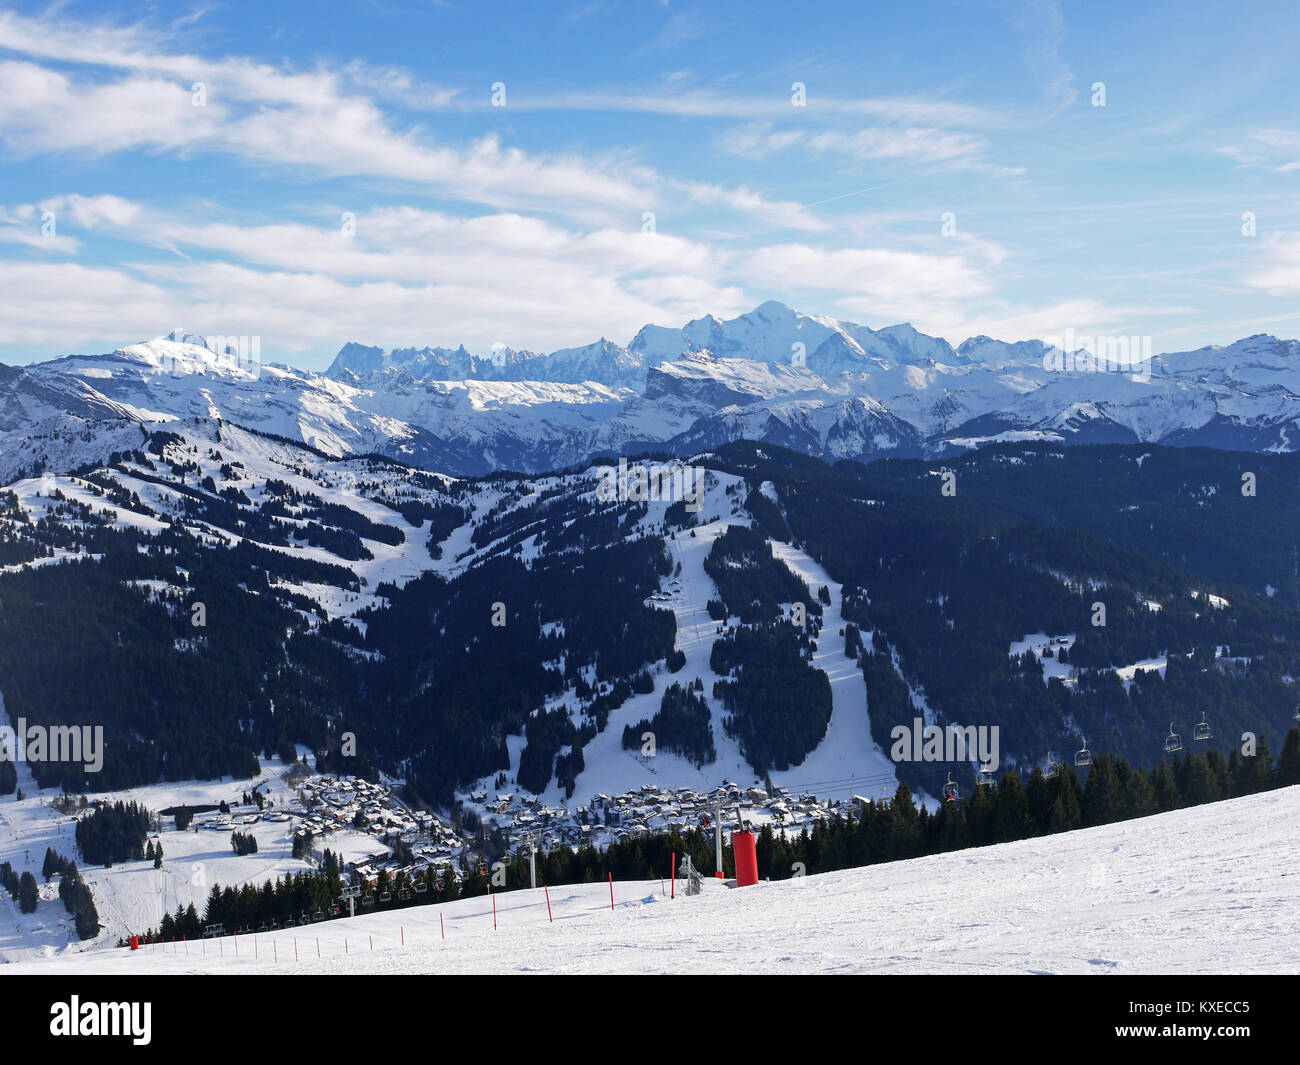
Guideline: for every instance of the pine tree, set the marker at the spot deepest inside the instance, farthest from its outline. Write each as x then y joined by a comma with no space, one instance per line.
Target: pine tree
1288,762
28,893
1101,797
1010,809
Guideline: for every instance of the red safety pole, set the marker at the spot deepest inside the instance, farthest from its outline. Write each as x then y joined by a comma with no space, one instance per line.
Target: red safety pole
672,891
318,946
443,925
494,913
295,948
372,942
611,891
548,904
403,931
345,944
275,953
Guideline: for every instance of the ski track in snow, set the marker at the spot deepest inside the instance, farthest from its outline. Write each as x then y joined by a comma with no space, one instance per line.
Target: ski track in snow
1213,889
842,763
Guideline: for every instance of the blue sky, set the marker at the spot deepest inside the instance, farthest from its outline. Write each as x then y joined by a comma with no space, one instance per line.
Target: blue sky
650,163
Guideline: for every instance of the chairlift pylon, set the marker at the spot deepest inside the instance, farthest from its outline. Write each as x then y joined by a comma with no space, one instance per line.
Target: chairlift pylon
1083,757
1203,730
1173,742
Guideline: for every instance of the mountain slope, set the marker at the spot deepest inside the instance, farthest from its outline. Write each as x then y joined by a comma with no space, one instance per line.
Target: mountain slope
1202,890
478,635
825,387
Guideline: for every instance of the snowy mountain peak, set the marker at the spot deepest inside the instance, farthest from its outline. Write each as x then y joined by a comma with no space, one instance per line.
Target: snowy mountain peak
180,353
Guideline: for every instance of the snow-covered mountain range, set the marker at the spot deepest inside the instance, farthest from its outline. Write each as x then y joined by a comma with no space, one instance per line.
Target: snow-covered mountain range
821,386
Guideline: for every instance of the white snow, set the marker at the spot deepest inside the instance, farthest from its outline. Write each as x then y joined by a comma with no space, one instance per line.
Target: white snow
1211,889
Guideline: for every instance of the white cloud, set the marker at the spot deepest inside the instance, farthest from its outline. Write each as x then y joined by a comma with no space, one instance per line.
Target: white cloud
266,116
1280,274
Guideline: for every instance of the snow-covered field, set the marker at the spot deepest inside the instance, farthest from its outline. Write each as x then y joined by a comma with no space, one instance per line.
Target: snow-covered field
1215,889
132,896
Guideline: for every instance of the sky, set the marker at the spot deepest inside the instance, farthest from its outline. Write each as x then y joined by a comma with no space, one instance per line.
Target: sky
408,172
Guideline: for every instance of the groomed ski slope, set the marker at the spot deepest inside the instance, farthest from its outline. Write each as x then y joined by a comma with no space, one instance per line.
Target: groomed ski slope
1214,889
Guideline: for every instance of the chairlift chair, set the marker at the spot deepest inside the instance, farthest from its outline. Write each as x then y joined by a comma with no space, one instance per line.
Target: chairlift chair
1173,742
1083,757
985,779
421,887
335,911
367,900
1053,769
387,896
319,915
404,894
1203,730
950,790
1296,715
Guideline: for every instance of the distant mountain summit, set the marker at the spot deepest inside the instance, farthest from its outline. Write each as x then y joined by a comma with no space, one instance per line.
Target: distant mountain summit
822,386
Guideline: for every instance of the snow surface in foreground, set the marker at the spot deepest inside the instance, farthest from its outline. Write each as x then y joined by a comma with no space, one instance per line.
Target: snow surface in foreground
1208,890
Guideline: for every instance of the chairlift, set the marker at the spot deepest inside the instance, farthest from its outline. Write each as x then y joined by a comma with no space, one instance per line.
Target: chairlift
1083,757
1203,730
950,790
1173,742
1053,769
